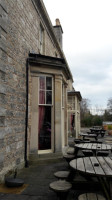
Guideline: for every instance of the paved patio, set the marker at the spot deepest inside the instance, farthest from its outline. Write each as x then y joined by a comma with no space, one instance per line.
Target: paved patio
38,177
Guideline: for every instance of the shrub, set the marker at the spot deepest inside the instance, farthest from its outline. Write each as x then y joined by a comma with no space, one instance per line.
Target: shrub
109,127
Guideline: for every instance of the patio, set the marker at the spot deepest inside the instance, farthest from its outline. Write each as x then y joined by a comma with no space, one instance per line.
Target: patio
38,177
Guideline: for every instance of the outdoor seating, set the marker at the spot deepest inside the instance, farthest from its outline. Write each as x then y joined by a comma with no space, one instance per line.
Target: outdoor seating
85,141
91,196
77,141
70,150
97,141
87,152
94,147
63,175
68,157
98,167
98,130
62,188
87,135
102,132
102,153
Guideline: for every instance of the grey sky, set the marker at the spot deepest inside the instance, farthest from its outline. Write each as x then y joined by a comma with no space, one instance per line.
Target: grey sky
87,44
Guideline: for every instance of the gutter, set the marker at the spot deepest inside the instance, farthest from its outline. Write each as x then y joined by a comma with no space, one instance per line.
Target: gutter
26,116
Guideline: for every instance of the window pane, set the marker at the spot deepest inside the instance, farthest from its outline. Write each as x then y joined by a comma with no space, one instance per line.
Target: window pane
48,97
42,97
42,82
44,126
48,83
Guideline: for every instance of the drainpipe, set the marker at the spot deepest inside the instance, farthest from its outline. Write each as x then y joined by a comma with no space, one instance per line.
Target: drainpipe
26,116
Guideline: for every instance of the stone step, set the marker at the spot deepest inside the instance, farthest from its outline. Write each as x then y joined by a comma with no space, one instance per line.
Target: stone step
45,158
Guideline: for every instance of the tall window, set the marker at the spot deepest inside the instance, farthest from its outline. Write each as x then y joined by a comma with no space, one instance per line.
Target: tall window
45,112
41,39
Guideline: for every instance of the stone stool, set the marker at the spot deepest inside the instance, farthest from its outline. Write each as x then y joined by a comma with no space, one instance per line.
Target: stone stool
68,157
91,196
61,188
62,174
70,150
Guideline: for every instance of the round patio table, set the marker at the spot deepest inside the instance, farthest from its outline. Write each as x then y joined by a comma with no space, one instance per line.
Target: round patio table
101,167
91,146
88,135
98,131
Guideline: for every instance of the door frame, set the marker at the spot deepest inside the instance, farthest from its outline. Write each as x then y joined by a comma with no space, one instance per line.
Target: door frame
52,116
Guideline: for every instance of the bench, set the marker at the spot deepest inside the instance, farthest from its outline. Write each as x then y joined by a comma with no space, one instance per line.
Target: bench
62,174
103,153
77,141
61,188
91,196
86,135
98,142
87,152
86,141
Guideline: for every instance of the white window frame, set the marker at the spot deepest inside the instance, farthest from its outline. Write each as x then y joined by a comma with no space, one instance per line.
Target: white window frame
45,91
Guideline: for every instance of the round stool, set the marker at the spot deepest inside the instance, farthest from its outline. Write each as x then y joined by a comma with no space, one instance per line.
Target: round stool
68,157
70,151
61,188
90,196
62,174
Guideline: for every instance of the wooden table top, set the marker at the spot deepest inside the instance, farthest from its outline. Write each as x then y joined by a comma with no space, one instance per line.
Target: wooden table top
98,166
93,146
88,134
97,130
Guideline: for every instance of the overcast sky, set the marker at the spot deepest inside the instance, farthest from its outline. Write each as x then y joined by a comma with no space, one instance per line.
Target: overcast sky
87,45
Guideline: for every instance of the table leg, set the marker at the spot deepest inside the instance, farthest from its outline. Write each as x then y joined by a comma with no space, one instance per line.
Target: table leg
62,196
71,175
76,151
105,188
96,138
110,187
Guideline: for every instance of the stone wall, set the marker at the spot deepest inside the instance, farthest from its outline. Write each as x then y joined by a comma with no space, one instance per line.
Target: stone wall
19,34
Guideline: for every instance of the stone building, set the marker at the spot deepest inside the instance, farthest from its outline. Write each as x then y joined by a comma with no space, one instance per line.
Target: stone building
74,99
34,79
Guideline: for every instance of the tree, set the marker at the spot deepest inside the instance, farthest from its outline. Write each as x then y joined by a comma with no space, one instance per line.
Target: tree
108,112
85,112
85,103
107,116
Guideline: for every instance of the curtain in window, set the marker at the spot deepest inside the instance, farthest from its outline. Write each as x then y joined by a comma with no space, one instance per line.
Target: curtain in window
42,90
41,117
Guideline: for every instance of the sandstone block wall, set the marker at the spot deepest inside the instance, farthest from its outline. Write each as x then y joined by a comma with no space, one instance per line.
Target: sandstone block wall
19,34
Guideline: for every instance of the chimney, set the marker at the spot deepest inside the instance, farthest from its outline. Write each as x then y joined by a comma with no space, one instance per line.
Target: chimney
58,32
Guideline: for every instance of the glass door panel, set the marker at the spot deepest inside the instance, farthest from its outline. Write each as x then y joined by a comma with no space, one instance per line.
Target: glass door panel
44,136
